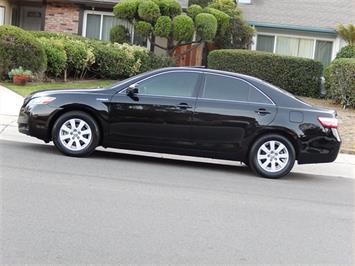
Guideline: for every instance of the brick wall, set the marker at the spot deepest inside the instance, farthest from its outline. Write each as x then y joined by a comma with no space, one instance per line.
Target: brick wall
62,18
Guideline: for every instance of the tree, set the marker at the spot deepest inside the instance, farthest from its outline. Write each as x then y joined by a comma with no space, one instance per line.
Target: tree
347,33
163,18
238,34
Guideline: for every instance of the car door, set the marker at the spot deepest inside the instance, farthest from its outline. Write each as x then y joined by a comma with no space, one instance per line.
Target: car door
160,114
228,111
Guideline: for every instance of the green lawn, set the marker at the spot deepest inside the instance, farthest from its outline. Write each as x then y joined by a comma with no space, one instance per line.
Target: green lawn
25,90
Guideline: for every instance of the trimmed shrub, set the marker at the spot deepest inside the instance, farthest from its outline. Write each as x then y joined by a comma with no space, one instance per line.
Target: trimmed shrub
183,28
170,8
346,52
222,19
194,10
119,34
56,56
163,27
202,3
116,61
297,75
79,57
20,48
126,9
143,28
148,11
206,26
340,81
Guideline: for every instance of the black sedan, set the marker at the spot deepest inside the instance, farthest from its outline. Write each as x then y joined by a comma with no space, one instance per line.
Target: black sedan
188,111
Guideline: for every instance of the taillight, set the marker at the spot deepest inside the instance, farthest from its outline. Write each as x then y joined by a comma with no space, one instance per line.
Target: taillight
328,122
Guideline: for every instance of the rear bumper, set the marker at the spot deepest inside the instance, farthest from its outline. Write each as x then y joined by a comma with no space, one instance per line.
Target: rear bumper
320,149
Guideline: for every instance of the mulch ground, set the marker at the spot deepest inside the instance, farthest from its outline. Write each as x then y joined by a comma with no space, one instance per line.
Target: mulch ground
346,119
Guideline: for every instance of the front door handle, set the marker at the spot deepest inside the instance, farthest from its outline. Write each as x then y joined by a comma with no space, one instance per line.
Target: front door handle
183,106
262,111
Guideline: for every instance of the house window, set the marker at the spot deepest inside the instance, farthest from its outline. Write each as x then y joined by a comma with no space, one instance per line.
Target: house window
295,47
97,25
2,15
265,43
323,52
244,1
320,50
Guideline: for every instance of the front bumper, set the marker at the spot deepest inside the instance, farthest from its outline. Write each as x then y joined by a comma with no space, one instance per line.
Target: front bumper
34,121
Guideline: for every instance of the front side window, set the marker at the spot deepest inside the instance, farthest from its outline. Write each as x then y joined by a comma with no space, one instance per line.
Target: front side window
225,88
174,84
2,15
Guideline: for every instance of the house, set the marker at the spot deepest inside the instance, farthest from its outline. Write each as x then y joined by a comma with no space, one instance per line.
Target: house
302,28
92,18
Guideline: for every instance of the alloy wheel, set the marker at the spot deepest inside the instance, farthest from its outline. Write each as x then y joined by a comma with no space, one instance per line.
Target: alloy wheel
272,156
75,134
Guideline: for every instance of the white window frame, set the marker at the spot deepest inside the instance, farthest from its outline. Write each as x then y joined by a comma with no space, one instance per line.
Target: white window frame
3,10
101,14
276,35
245,2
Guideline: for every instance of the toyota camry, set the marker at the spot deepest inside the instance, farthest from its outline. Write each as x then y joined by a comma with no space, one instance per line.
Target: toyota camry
187,111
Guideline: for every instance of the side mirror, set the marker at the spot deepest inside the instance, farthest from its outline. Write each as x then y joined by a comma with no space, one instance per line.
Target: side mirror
132,90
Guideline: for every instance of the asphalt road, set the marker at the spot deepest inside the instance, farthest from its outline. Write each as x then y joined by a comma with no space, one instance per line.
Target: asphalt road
116,208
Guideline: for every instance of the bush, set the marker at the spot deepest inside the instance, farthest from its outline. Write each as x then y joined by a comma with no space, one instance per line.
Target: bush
340,81
126,9
79,57
194,10
300,76
183,28
119,34
347,52
148,11
206,26
20,48
116,61
202,3
170,8
56,56
163,27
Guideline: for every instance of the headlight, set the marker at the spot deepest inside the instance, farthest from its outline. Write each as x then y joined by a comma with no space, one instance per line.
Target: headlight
41,100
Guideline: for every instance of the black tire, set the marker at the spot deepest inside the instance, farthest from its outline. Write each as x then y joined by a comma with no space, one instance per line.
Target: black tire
273,166
87,148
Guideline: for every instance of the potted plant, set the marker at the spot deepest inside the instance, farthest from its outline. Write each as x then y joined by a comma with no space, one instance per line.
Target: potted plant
20,76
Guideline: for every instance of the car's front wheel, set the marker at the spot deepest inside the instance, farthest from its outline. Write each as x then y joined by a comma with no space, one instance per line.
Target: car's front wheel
272,156
76,134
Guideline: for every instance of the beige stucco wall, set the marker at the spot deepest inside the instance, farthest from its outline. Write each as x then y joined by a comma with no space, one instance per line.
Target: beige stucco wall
7,6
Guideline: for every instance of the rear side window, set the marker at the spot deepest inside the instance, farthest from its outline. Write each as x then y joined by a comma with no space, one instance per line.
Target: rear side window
233,89
225,88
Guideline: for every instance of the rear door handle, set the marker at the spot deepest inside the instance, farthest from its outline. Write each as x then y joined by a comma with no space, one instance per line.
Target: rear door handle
262,111
183,106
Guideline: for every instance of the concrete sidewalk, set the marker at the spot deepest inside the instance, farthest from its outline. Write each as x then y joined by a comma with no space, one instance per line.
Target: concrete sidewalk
10,104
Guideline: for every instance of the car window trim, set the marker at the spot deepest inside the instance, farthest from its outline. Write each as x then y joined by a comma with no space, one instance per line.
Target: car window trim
199,96
196,89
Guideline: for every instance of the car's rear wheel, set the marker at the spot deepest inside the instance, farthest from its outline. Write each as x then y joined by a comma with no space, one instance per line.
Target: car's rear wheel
76,134
272,156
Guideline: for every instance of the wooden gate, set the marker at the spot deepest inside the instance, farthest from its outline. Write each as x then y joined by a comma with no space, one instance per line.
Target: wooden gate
189,55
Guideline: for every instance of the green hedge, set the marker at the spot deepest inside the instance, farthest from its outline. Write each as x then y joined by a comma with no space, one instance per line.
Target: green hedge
119,34
20,48
340,81
346,52
300,76
56,56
